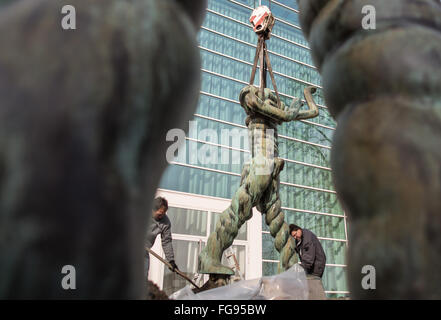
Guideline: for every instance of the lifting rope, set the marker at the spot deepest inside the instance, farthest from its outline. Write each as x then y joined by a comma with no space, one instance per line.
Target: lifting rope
263,22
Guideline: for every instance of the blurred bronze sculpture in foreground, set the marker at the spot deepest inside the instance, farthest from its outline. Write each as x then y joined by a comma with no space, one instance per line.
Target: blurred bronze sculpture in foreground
383,87
83,120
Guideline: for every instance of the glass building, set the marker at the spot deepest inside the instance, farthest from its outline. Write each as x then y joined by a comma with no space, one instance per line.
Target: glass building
205,173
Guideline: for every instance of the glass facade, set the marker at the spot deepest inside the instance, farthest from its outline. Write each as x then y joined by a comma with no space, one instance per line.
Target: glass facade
217,149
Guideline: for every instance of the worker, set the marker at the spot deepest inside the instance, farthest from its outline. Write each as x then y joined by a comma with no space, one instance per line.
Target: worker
160,224
310,251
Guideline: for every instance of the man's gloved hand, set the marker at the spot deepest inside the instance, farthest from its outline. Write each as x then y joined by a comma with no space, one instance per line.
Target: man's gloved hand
174,266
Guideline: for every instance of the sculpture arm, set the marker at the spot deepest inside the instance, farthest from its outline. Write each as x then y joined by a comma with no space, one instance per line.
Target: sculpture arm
312,111
257,105
167,240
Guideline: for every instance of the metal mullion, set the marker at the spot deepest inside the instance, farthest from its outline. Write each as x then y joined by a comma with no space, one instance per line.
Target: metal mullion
244,5
303,141
314,212
280,135
227,36
249,26
247,151
331,239
238,175
217,145
246,83
306,164
250,64
285,6
221,121
237,102
321,238
204,168
346,229
188,237
307,187
225,199
240,242
327,264
283,21
252,45
336,265
288,23
209,224
317,124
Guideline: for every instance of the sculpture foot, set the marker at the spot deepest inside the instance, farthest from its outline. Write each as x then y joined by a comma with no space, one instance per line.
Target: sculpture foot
210,266
214,281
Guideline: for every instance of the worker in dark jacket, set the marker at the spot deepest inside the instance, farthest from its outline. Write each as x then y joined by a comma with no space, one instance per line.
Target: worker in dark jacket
160,224
308,247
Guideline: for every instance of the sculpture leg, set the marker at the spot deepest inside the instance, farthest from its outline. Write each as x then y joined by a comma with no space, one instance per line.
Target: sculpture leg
246,197
394,198
384,91
270,205
226,231
84,116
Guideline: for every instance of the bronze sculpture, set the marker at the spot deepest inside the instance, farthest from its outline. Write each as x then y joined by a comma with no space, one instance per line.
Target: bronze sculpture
260,181
383,86
83,119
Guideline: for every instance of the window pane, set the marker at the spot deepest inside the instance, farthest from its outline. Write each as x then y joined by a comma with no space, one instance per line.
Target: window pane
289,3
321,225
268,250
334,279
334,250
242,234
269,268
239,252
284,13
199,181
233,10
307,176
230,89
305,199
303,152
186,258
213,157
187,221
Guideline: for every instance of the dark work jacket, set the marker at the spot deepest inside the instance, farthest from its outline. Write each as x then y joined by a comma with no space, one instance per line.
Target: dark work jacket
162,227
311,253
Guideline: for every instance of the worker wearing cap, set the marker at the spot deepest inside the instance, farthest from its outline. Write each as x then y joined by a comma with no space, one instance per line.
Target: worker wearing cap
160,224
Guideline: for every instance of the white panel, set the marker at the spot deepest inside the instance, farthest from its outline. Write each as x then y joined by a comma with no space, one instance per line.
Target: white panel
254,256
253,244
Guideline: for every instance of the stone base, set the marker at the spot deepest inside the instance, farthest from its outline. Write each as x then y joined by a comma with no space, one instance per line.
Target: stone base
315,288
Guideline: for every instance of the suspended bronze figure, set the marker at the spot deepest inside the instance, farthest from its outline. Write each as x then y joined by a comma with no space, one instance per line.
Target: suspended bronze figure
259,186
383,86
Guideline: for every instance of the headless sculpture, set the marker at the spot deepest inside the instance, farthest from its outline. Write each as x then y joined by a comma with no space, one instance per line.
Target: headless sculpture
259,186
